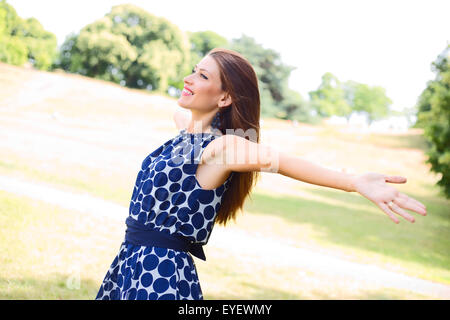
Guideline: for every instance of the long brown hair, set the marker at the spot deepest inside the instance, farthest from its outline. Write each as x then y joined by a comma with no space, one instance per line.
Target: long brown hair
239,80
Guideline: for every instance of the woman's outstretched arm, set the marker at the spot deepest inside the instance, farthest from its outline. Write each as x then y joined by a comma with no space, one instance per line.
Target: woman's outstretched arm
306,171
371,185
241,155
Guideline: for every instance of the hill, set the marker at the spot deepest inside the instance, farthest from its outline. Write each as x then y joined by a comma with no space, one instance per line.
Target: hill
83,135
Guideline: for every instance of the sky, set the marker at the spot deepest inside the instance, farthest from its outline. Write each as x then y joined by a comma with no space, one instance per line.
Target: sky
380,43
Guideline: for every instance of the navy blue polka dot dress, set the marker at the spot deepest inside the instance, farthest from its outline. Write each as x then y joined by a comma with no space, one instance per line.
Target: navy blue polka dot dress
168,198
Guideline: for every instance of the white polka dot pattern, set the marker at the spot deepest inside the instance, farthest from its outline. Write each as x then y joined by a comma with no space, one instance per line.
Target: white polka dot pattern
168,198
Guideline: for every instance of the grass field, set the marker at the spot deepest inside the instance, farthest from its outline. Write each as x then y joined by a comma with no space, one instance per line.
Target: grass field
87,136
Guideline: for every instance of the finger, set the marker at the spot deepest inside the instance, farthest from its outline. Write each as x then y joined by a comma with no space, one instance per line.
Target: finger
394,207
420,204
386,210
411,204
395,179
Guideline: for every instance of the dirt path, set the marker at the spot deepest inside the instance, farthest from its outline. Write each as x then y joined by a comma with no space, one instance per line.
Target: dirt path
240,243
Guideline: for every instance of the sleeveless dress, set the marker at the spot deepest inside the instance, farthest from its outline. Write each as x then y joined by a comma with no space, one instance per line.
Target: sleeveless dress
168,198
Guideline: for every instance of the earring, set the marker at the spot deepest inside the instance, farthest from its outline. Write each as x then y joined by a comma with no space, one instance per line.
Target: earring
216,121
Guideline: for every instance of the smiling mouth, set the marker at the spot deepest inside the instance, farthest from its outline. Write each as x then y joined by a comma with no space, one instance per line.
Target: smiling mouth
186,92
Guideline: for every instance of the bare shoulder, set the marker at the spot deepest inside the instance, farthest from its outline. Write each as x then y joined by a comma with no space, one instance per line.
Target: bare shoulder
222,143
235,153
214,150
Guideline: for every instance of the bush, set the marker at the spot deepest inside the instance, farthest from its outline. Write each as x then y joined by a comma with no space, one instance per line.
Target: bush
434,117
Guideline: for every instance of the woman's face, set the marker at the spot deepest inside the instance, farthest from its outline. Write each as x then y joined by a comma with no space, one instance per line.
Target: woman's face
204,82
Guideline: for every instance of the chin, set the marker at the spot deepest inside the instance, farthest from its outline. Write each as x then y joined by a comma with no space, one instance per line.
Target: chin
185,105
181,104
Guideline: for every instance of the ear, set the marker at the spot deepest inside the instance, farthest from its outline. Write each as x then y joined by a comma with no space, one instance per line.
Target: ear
225,101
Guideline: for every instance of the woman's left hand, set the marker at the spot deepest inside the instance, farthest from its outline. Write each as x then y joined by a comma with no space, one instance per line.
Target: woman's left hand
374,187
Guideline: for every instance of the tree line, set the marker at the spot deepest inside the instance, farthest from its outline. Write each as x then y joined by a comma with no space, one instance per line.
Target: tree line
137,49
25,40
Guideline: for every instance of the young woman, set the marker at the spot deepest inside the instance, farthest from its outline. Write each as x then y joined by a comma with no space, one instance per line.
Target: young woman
203,175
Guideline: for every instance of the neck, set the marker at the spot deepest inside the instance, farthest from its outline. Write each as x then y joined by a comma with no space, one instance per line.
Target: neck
201,122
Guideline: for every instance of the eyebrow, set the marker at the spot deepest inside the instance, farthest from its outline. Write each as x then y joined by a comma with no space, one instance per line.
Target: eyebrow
202,69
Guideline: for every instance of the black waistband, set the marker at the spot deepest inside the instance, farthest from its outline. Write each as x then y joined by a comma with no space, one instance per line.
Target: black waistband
142,235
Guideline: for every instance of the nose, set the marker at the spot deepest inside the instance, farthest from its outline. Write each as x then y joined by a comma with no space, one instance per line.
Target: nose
187,79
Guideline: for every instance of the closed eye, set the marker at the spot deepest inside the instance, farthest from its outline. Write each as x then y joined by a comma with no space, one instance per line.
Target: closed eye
193,70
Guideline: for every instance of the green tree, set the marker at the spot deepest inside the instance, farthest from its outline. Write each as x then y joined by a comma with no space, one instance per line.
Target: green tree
424,105
204,41
129,46
330,98
434,117
41,44
294,107
370,100
272,74
25,40
12,48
